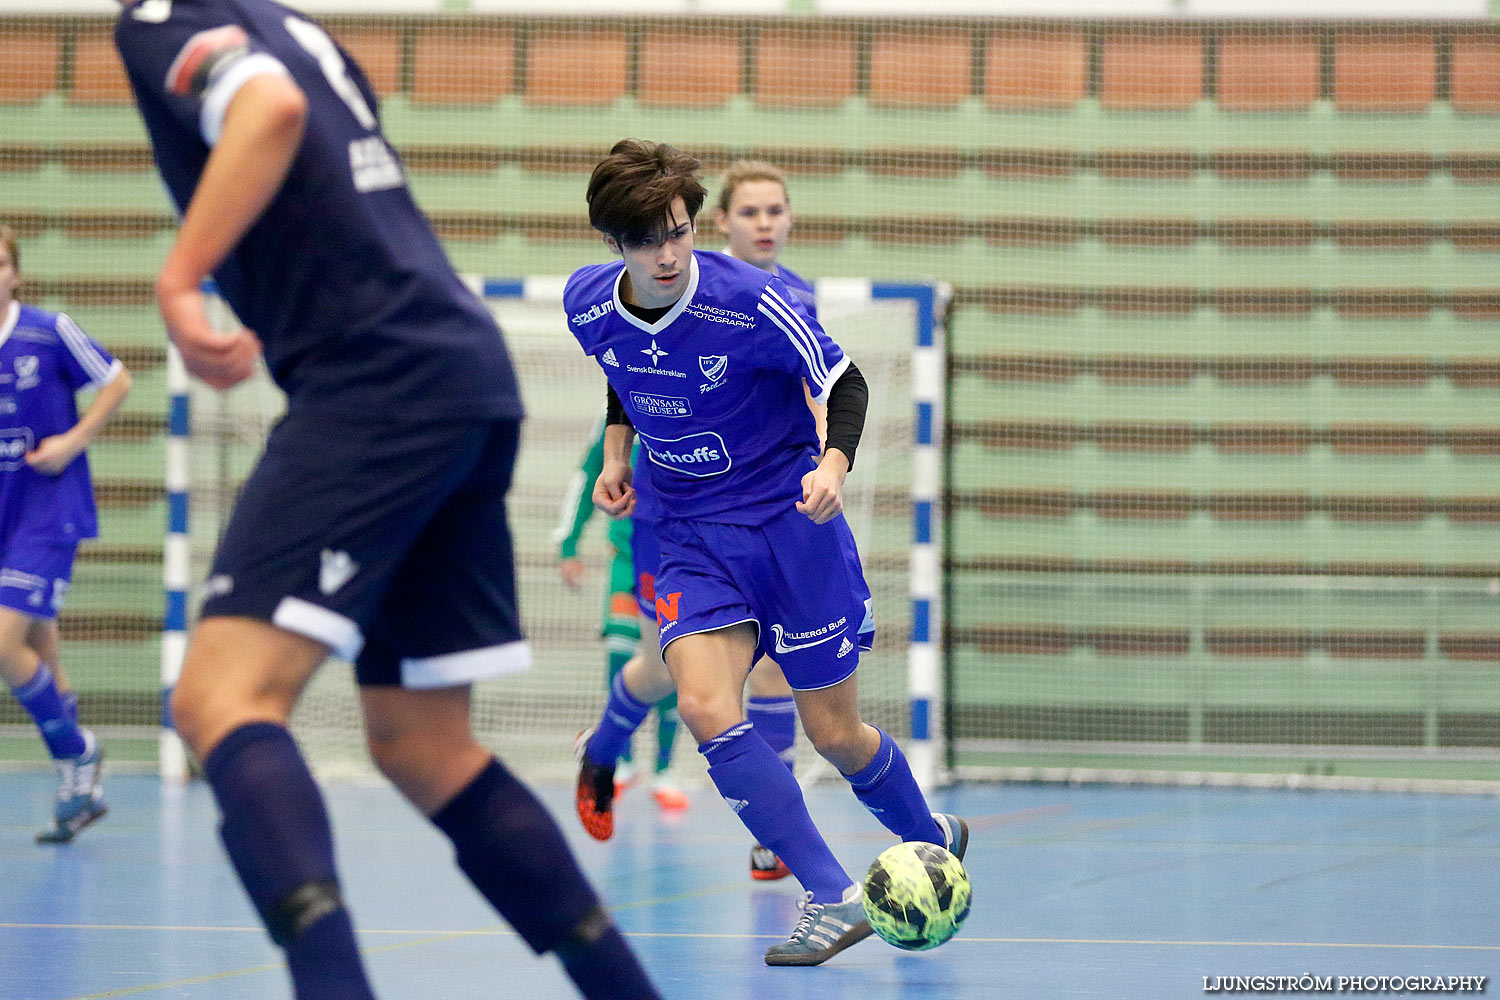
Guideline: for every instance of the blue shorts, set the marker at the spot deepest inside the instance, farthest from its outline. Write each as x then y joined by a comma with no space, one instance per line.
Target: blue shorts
35,574
386,542
645,556
799,582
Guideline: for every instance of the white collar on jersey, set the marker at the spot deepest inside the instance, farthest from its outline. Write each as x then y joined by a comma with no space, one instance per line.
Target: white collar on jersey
12,317
672,313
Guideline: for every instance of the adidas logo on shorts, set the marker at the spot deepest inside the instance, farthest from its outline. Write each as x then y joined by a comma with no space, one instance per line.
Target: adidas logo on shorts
845,648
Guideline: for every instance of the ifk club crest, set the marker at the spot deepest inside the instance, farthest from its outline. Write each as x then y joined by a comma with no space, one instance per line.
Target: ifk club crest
713,366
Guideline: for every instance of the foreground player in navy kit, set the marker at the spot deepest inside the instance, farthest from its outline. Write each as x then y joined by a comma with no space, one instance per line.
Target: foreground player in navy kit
46,507
706,358
374,526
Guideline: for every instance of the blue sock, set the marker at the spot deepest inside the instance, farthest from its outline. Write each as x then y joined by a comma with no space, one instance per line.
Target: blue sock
776,721
511,849
48,707
70,705
888,790
622,717
757,786
275,829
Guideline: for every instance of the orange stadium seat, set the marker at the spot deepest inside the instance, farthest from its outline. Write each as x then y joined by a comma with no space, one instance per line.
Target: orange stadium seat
805,67
920,68
1475,74
29,57
472,64
1156,70
689,68
377,49
1377,70
1028,67
576,66
98,75
1276,70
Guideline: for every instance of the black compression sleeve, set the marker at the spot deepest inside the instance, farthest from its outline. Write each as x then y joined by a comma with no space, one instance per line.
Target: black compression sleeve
848,399
614,409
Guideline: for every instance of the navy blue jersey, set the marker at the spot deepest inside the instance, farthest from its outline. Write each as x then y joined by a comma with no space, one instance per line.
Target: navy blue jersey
44,360
714,387
341,277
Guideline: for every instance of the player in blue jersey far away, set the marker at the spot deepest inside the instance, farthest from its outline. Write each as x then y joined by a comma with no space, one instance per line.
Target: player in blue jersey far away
706,358
374,525
46,507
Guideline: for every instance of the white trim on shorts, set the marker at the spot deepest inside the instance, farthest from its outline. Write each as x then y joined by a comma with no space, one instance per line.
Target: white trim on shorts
332,629
454,669
704,631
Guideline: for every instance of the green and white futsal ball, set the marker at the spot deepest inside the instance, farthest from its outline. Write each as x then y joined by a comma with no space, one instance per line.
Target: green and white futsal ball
916,895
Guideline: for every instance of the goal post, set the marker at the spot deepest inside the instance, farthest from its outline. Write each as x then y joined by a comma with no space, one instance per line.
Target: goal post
893,331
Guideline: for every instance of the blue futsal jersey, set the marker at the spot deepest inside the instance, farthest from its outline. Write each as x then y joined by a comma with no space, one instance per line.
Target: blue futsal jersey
799,287
343,280
714,387
44,360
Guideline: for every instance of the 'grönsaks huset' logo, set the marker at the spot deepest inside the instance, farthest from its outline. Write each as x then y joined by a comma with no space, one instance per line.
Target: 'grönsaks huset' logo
700,455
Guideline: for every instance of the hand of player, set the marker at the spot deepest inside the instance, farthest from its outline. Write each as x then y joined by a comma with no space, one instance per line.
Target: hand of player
613,493
222,360
53,454
572,572
823,488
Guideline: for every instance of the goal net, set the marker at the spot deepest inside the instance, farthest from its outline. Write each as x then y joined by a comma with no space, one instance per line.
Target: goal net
531,719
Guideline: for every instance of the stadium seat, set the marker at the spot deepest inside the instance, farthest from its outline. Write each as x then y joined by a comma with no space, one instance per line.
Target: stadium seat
1027,67
920,68
1248,233
1382,167
1474,373
469,64
1378,439
29,57
377,49
1475,303
805,67
1143,436
98,75
1470,645
1472,441
1474,76
583,67
1261,438
1268,70
1384,70
689,67
1262,165
1370,235
1384,371
1151,70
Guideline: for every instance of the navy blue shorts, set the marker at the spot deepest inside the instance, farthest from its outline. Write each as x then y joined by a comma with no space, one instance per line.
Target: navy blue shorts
35,574
386,542
800,584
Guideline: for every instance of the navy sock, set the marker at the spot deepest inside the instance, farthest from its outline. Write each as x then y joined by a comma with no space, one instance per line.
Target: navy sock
757,786
70,705
276,831
776,721
48,707
512,850
888,789
622,717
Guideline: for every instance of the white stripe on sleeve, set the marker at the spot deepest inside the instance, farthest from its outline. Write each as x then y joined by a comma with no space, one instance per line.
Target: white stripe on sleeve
83,350
798,329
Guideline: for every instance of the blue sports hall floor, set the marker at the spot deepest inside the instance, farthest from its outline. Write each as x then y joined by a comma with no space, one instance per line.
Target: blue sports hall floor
1110,892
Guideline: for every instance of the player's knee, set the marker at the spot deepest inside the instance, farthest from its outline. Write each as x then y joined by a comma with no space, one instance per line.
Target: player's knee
840,745
707,713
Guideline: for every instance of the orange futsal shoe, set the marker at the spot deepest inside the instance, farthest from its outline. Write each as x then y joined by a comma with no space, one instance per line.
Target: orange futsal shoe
765,866
595,796
669,798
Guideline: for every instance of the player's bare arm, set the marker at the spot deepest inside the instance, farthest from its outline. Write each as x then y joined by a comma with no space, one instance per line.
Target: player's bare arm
613,493
53,454
263,130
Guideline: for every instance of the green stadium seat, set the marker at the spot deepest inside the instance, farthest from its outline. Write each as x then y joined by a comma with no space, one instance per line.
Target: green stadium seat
1151,70
1274,69
1029,67
29,58
920,68
1384,70
689,67
807,66
556,57
1474,74
463,64
98,75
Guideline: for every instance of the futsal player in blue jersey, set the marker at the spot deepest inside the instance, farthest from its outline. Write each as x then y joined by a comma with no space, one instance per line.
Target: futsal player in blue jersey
46,508
755,213
374,525
706,358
